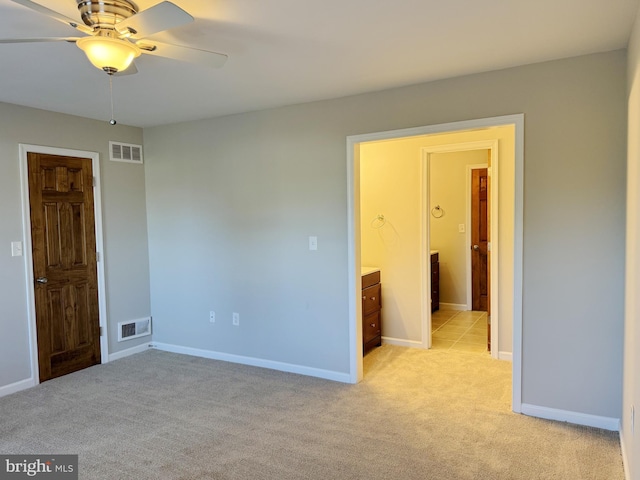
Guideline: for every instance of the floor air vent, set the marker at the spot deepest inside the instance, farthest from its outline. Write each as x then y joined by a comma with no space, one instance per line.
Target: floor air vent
134,329
125,152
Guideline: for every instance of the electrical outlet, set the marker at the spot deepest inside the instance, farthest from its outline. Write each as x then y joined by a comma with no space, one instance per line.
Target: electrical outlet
313,243
236,319
212,316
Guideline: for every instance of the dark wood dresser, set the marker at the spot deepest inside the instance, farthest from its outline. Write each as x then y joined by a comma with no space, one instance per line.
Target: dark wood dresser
371,309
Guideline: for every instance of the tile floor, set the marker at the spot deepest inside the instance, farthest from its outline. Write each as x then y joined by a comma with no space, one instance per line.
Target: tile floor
464,331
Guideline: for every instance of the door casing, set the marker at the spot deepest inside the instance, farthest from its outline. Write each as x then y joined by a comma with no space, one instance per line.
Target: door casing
427,152
28,257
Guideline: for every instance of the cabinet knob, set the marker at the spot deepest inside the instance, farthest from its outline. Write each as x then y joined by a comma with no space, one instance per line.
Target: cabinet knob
373,298
373,325
364,297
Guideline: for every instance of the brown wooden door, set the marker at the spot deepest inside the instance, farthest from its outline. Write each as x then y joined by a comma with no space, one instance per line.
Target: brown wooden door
64,263
479,240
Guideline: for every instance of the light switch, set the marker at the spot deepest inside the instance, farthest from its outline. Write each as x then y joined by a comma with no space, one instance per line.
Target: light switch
16,249
461,228
313,243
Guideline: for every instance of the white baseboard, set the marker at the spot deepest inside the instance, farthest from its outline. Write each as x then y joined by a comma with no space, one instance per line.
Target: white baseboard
606,423
255,362
625,465
505,356
401,342
17,386
129,351
30,382
454,306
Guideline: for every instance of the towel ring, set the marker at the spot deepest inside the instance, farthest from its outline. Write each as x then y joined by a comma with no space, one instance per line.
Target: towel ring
437,211
378,222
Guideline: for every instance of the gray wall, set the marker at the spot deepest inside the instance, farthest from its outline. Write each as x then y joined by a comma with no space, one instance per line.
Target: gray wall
124,222
232,200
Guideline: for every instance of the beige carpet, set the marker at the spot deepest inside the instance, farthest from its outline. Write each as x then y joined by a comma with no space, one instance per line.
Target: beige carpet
417,415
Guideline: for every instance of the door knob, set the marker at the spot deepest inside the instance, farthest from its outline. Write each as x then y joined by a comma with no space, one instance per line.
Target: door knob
476,247
42,280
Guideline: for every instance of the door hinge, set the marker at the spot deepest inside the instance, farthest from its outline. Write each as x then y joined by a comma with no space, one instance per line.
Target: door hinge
94,181
97,256
101,331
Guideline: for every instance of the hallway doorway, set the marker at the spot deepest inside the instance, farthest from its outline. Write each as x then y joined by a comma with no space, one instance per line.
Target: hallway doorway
461,204
512,271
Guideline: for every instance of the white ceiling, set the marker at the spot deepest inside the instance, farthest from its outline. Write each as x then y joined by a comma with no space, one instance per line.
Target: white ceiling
283,52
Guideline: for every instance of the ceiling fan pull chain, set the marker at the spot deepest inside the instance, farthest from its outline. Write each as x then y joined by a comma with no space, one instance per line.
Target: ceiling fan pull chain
113,120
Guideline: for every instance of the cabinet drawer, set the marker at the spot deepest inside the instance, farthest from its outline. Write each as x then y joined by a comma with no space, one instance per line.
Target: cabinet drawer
435,285
370,279
371,299
435,277
371,327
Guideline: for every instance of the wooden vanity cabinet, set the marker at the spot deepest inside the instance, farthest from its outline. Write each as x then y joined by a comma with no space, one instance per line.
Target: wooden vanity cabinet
371,307
435,282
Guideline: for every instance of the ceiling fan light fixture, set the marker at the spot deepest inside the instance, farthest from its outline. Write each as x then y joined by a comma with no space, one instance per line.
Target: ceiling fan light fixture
108,54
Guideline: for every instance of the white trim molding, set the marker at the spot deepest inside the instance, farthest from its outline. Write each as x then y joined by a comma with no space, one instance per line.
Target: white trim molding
129,351
402,342
17,386
459,307
508,356
606,423
254,362
625,458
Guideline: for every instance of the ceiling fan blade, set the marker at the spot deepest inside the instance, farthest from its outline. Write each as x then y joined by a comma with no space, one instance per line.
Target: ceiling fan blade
183,54
53,14
41,39
163,16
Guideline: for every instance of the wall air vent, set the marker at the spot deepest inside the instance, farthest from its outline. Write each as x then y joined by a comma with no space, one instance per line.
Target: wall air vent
134,329
125,152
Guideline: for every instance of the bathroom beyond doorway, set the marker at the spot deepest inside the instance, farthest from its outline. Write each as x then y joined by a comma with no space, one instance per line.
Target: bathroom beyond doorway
463,331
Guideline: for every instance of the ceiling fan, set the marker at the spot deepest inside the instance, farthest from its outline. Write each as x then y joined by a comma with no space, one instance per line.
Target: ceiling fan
116,31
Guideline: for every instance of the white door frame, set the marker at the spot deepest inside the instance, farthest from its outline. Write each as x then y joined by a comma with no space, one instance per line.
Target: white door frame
28,255
353,236
427,153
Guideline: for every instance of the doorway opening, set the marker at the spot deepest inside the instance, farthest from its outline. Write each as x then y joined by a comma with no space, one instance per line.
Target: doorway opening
64,274
510,298
466,236
464,258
